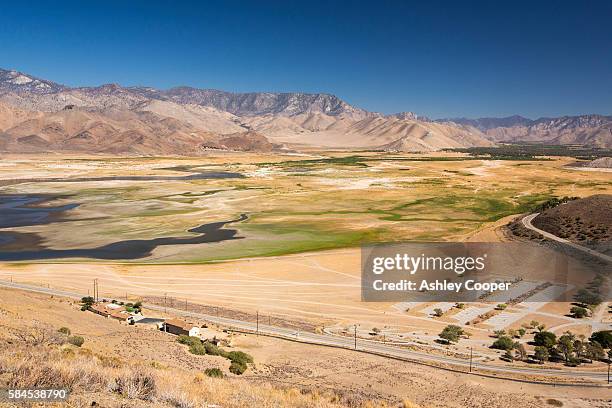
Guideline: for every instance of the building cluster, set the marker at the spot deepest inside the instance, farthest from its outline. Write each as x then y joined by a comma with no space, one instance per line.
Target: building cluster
173,326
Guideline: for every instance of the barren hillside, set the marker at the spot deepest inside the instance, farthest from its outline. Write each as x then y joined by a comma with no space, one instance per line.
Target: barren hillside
587,220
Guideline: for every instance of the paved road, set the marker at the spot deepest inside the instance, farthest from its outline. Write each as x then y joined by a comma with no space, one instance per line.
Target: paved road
338,341
527,223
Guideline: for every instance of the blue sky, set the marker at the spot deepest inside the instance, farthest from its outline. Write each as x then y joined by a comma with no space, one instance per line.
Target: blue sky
441,59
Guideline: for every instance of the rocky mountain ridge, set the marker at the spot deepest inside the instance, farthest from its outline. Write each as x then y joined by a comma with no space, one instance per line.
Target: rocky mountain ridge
590,130
296,119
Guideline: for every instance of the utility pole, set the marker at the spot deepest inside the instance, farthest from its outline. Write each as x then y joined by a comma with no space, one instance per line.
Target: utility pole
355,337
471,353
257,326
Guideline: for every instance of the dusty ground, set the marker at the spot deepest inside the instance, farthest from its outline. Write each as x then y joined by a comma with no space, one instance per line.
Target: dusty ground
357,378
295,204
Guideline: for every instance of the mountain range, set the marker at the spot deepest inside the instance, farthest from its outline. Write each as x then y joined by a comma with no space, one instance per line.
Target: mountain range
588,130
37,115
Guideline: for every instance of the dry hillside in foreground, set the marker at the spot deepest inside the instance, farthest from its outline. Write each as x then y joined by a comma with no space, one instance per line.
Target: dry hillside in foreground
126,366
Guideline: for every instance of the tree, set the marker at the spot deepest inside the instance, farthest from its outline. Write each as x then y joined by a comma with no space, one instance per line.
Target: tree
565,345
503,343
545,338
521,332
438,312
499,333
594,351
541,354
579,312
604,338
520,352
580,348
87,301
451,333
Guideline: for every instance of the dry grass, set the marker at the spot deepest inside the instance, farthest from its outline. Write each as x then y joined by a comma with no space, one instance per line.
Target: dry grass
92,377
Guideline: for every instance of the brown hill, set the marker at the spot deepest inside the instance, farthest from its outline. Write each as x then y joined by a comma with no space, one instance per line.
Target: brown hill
374,132
588,130
114,131
601,163
584,220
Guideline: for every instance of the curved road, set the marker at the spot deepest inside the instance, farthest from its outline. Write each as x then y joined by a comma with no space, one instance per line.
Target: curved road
527,223
367,346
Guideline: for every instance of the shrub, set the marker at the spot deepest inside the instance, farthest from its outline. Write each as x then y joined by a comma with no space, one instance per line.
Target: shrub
213,350
188,340
197,349
237,368
240,357
76,340
64,330
501,306
572,362
135,384
214,372
438,312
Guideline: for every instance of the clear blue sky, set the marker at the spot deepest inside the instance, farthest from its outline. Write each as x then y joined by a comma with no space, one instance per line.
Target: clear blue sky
441,59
